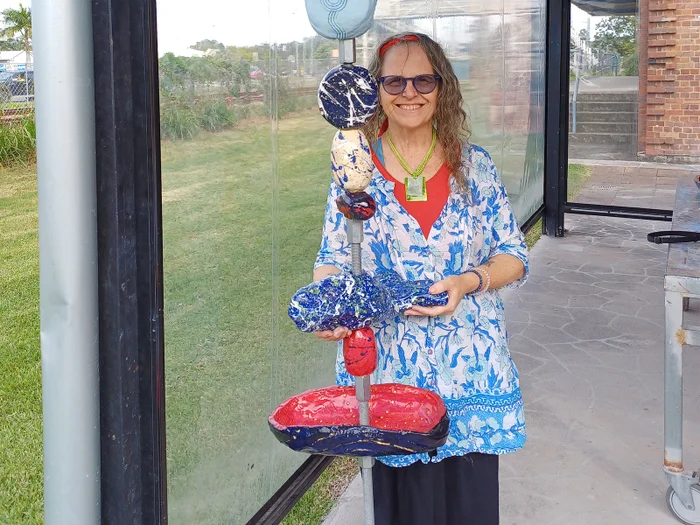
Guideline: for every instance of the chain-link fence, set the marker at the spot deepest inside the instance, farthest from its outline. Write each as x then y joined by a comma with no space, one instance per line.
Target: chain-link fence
17,129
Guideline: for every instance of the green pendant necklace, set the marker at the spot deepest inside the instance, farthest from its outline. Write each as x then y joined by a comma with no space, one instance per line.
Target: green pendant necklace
416,189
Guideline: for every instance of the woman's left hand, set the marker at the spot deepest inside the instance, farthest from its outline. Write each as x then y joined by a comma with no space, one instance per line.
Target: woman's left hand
456,286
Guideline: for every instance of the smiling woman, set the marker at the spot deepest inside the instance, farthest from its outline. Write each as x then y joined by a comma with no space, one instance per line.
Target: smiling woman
442,214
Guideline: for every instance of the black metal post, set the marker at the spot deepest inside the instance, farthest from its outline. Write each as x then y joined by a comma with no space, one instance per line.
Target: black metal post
556,115
132,420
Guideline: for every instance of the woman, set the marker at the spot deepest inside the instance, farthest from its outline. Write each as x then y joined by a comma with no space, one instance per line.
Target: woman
458,229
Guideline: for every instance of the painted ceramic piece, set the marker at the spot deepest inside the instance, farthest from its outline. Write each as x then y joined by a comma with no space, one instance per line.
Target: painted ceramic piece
356,206
360,352
348,96
403,420
405,294
351,160
341,19
344,299
357,301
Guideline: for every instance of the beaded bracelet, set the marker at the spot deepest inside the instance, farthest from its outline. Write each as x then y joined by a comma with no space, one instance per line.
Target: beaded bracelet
481,281
478,273
488,278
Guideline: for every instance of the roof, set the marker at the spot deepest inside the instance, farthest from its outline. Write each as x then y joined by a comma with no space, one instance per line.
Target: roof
8,56
412,9
607,7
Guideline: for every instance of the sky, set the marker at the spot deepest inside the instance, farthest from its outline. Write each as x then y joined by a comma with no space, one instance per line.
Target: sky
182,23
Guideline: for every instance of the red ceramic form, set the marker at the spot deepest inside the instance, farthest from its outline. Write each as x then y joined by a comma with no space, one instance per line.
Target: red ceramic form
360,352
403,420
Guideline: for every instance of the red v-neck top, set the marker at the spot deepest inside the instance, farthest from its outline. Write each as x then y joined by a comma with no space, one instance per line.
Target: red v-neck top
437,187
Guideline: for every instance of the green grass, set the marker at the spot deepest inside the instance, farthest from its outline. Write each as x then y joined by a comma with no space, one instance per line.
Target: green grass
18,142
240,236
576,180
20,361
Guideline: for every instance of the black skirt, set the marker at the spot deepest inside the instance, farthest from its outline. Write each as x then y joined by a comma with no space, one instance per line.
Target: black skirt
460,490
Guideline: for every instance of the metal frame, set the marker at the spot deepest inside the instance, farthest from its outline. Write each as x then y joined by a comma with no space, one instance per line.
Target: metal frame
279,505
132,422
681,282
627,212
556,115
557,137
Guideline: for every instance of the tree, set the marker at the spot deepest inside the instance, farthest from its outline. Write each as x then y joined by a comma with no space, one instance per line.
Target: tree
206,45
618,34
11,44
18,22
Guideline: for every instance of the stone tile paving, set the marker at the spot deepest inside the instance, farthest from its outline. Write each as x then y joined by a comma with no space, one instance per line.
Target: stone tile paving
634,184
587,337
586,333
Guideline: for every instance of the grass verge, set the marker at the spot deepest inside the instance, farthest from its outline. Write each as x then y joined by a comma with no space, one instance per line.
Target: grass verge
21,470
577,178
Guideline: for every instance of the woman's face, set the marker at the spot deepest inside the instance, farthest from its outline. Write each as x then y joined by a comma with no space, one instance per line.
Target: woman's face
410,109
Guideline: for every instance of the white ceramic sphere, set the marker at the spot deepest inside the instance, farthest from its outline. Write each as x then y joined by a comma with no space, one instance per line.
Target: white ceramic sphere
351,160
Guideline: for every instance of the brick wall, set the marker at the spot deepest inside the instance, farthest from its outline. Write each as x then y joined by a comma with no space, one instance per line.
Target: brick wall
669,79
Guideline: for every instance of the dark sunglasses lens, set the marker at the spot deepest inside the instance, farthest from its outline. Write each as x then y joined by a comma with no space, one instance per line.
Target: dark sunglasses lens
394,85
425,83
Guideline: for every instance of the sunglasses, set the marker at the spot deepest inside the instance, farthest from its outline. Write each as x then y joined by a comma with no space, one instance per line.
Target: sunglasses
423,84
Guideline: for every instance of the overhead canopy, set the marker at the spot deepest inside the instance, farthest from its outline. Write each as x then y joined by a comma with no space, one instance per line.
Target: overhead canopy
416,9
607,7
412,9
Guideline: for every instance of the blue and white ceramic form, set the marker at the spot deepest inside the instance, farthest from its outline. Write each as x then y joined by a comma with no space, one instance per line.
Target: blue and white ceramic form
348,96
341,19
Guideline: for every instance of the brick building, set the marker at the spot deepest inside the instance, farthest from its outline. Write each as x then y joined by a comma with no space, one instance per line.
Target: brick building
669,79
668,123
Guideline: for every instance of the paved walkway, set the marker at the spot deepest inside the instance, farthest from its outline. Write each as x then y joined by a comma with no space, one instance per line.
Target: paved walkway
638,184
586,333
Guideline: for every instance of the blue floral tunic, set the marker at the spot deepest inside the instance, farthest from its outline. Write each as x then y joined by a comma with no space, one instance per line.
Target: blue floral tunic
464,357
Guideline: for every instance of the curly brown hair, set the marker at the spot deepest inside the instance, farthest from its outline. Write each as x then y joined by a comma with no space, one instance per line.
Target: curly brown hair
450,118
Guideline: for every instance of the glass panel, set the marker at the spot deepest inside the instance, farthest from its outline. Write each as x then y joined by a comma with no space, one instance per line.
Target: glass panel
245,178
604,102
245,175
498,52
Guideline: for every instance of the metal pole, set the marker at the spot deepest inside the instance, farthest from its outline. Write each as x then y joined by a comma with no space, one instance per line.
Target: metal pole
577,68
68,260
362,384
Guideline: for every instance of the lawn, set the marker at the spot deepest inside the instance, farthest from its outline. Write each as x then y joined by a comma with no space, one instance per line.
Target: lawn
240,235
20,361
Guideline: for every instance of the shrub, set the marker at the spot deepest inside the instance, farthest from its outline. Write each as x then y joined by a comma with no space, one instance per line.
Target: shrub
18,142
178,120
215,115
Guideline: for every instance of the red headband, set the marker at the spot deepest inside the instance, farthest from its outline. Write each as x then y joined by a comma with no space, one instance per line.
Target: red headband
383,49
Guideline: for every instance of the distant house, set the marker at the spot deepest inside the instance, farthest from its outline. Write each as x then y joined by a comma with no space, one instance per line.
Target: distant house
15,60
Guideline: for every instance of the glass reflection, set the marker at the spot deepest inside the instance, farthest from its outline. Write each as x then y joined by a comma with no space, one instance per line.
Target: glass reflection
245,177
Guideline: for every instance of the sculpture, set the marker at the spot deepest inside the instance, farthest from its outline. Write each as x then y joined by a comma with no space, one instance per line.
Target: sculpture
378,420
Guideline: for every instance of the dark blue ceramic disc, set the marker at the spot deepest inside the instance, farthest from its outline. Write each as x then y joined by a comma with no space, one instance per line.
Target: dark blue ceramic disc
348,96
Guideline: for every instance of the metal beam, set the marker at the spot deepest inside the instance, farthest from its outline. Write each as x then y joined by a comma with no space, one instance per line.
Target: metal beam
130,263
67,260
627,212
556,115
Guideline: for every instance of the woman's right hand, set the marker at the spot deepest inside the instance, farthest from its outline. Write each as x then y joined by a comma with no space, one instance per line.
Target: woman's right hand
333,335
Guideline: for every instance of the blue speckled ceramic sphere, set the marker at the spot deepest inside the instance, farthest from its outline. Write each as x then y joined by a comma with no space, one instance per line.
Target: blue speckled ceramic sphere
348,96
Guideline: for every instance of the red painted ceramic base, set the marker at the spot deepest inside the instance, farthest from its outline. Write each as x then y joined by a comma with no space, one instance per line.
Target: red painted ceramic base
403,420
